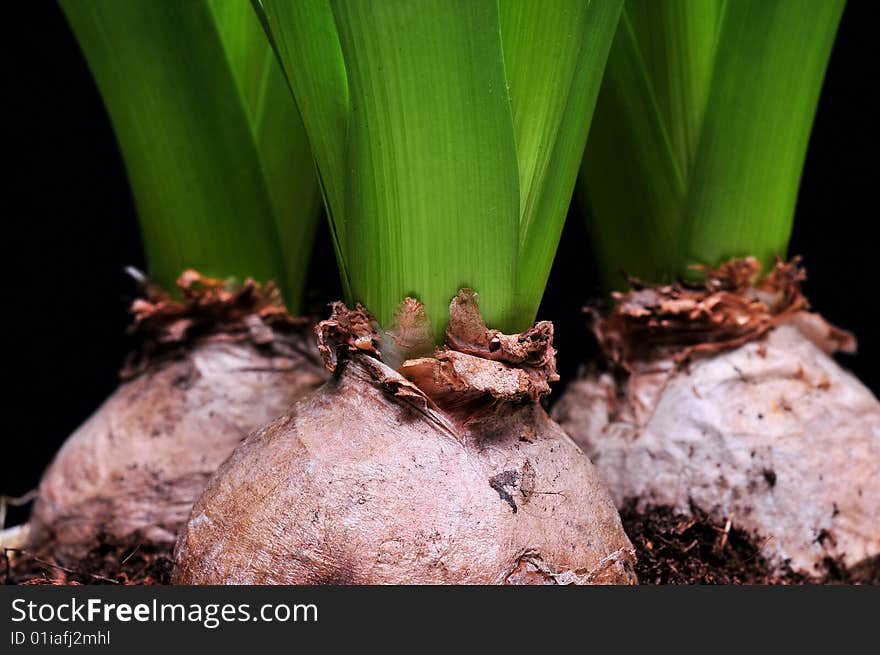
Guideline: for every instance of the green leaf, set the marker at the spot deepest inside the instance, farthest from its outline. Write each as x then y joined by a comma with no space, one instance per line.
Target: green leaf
431,177
214,148
304,36
280,138
700,131
464,125
555,54
405,106
768,75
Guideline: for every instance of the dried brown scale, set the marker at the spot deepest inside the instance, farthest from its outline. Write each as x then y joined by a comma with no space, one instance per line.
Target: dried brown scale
532,349
676,321
377,479
744,416
212,310
347,331
211,368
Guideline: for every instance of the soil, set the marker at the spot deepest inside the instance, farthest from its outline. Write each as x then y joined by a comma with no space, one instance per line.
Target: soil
133,561
673,548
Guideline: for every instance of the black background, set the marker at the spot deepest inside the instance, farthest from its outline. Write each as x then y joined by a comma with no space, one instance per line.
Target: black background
69,229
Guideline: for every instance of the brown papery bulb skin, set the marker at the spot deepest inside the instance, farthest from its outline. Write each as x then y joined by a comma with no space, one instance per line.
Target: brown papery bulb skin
139,462
767,431
453,474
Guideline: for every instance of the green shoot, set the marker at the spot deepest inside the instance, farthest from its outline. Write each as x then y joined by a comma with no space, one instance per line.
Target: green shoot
701,130
447,137
215,151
